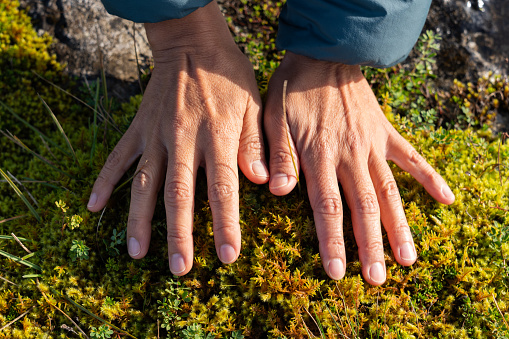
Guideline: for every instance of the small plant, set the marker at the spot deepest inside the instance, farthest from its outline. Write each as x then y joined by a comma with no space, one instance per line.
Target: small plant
118,238
103,332
170,307
112,265
73,222
79,251
195,331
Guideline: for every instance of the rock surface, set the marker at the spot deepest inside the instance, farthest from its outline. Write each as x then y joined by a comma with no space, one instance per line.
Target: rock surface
475,37
85,33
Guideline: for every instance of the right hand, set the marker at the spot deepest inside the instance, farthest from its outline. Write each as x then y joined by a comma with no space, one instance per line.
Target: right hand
201,108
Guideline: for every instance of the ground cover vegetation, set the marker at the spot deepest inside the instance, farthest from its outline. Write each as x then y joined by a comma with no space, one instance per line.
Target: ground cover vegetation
65,272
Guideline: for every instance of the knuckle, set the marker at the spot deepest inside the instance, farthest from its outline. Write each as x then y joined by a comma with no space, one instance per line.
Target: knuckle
143,182
353,142
221,191
329,206
226,225
251,145
415,158
134,222
180,127
374,247
401,230
113,160
336,241
389,190
178,235
102,179
281,158
367,204
177,192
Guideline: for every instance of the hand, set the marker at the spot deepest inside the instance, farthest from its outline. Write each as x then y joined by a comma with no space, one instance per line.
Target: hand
338,132
201,108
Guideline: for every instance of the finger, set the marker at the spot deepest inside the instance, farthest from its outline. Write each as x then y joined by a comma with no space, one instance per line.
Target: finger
407,158
284,161
392,212
223,193
179,201
251,150
361,198
325,200
128,149
146,183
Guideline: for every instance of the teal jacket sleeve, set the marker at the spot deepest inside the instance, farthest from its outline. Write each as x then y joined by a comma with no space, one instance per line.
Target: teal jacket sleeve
377,33
152,10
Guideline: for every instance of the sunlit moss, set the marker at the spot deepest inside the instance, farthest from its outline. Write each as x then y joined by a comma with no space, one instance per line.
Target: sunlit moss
457,288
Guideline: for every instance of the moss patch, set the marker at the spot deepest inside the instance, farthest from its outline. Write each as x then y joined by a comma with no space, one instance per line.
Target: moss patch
84,280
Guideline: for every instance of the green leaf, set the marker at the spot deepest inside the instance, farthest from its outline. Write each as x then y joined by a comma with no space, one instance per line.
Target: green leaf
59,128
21,195
21,261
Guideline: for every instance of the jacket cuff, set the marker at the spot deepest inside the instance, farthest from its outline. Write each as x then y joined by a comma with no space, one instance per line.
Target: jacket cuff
379,33
152,10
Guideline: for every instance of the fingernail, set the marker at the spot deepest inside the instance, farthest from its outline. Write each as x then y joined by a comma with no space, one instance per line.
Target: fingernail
177,264
336,269
259,169
133,246
278,180
92,200
407,251
446,192
227,254
376,273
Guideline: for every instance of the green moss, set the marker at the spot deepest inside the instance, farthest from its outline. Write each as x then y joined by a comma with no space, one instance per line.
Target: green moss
277,287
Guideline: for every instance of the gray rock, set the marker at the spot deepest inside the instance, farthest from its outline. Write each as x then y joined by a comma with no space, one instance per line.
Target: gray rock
475,37
84,33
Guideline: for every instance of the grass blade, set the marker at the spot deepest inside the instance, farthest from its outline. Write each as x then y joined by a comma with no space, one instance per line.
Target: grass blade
21,261
26,123
94,139
22,197
18,142
23,186
90,313
59,127
74,97
43,182
10,237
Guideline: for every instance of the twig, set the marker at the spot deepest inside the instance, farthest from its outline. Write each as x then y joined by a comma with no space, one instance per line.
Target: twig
55,306
21,316
498,308
285,85
13,218
20,243
10,282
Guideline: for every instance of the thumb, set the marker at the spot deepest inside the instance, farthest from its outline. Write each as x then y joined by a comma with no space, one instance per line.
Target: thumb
284,160
251,156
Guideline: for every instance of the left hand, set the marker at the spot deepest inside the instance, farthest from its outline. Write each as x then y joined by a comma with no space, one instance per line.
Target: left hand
338,132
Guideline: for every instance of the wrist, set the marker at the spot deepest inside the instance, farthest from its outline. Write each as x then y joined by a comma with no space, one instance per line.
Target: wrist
344,72
203,30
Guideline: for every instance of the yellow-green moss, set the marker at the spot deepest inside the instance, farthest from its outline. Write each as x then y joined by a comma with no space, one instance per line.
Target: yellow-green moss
277,287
